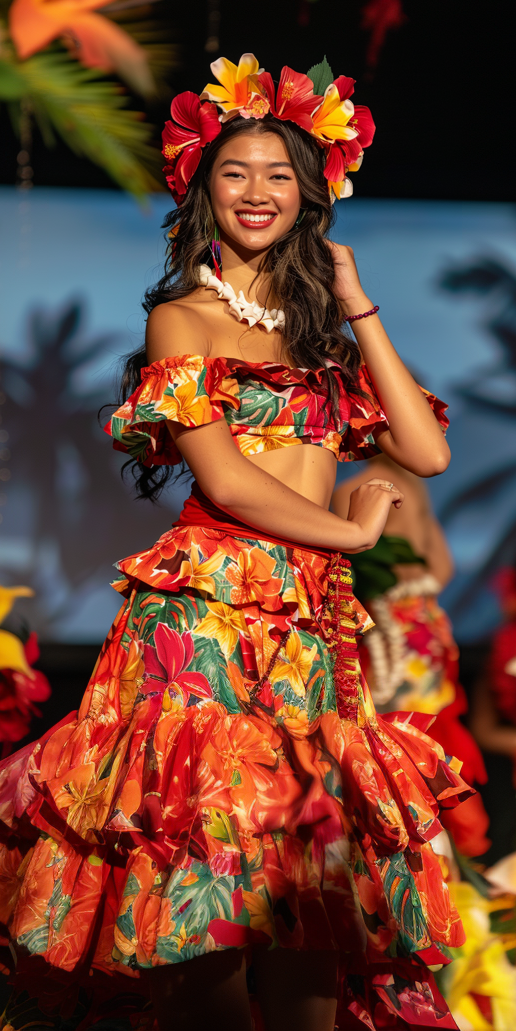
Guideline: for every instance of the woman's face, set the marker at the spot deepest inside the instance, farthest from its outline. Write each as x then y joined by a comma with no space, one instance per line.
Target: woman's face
254,191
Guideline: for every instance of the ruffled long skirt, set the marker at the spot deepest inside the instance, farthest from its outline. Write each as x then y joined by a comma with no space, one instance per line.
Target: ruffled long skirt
227,782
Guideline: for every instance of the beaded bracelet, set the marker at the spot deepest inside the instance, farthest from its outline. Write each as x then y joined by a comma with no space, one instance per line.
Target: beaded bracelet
351,318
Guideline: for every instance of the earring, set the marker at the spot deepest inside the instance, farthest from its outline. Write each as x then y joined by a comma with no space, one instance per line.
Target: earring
300,217
215,253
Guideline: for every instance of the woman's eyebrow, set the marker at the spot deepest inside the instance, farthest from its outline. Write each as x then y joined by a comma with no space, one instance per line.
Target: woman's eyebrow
245,164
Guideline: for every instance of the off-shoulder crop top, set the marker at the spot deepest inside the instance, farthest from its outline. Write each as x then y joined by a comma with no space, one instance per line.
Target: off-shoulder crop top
266,406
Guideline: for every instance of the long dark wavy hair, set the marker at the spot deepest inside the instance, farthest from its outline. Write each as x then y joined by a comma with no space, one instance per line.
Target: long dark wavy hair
299,266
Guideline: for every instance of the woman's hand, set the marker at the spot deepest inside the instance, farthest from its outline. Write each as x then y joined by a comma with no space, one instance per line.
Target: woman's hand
347,286
369,506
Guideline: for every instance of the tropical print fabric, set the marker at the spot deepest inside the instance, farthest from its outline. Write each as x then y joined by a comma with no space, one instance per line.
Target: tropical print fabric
266,405
410,660
221,787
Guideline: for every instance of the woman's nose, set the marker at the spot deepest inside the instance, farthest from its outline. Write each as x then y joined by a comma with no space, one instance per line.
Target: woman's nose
255,191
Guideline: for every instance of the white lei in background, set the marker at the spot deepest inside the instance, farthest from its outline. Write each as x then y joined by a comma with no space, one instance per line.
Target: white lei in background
386,641
243,310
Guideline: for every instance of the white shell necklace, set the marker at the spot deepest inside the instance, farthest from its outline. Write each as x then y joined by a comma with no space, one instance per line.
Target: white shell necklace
243,310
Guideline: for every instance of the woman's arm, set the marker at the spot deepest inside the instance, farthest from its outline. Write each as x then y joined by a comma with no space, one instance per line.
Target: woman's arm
414,438
255,497
438,554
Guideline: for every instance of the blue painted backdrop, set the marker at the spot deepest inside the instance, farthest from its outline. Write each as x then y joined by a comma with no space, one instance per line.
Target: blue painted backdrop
73,267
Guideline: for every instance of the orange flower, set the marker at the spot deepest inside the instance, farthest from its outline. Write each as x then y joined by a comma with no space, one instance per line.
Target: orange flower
239,742
239,91
95,40
131,677
85,795
253,579
295,720
224,623
294,664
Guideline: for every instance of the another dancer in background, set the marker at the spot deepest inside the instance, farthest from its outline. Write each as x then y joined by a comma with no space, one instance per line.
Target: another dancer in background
410,657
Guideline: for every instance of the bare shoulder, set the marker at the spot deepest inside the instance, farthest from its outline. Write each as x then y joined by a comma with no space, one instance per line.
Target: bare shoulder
177,327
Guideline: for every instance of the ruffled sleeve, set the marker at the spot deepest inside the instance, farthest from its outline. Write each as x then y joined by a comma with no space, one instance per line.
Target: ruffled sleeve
366,419
191,390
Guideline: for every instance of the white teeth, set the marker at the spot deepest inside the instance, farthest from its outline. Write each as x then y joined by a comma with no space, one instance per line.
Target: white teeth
255,218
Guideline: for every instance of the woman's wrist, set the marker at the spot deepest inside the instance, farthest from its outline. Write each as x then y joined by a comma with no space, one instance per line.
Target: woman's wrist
356,305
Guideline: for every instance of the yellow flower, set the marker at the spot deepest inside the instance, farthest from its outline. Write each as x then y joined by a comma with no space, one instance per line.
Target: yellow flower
294,664
239,89
199,573
267,438
7,597
185,406
12,654
224,623
259,912
330,120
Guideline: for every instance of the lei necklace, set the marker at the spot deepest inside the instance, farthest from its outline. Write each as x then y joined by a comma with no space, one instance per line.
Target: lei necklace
317,103
243,310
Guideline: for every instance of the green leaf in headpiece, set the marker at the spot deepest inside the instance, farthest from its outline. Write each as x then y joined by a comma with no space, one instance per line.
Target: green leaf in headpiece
321,76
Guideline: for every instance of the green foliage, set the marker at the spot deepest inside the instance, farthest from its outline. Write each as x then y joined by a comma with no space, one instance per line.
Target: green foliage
89,112
321,76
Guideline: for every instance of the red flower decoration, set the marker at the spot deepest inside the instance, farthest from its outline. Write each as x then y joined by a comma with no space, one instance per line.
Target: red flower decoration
295,99
346,155
18,693
168,660
193,126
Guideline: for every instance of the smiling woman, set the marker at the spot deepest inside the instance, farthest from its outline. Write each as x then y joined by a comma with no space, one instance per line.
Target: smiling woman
226,793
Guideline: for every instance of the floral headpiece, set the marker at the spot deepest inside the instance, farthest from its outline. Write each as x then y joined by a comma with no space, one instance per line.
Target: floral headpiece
315,102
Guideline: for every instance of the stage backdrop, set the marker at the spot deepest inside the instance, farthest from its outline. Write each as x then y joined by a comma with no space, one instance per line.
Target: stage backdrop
73,267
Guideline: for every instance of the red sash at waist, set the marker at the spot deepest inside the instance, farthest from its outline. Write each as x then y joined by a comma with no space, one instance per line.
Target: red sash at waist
198,510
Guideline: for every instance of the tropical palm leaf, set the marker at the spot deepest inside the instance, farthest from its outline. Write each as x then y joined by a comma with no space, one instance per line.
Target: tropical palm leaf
90,113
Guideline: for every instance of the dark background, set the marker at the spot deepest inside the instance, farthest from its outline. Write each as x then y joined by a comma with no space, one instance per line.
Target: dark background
442,94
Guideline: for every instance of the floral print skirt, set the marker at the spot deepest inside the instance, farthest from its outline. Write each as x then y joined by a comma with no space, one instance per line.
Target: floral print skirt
227,782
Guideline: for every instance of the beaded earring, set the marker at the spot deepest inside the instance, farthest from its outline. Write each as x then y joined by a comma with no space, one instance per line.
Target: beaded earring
300,217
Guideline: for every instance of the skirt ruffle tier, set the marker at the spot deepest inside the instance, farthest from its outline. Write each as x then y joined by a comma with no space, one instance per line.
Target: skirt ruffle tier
227,782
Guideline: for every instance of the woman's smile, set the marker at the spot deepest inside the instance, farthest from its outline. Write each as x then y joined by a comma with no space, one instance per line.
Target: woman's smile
256,219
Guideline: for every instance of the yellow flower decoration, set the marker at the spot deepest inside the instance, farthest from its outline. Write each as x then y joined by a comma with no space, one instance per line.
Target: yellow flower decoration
224,623
199,573
185,406
8,596
294,664
330,120
260,913
239,88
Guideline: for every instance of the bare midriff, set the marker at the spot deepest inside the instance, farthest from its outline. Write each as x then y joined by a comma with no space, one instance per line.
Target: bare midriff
308,469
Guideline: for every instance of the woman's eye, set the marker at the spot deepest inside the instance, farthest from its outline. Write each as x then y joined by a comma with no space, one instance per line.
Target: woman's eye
232,175
280,176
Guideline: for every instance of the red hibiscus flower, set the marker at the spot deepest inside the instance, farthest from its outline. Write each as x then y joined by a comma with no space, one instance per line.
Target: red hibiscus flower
193,126
168,660
18,693
295,99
